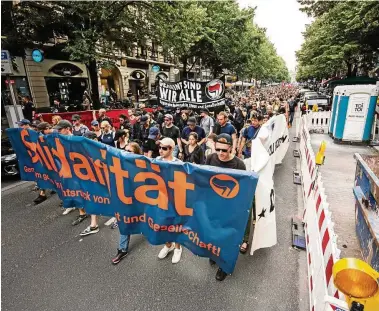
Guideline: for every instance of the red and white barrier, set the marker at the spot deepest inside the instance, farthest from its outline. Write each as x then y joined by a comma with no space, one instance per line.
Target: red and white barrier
318,121
322,250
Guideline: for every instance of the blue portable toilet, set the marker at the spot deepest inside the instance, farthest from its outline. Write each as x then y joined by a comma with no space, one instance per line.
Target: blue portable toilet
354,112
336,98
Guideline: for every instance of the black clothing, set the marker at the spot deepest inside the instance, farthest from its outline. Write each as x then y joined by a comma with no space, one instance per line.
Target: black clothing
234,163
197,155
171,132
150,145
27,110
118,145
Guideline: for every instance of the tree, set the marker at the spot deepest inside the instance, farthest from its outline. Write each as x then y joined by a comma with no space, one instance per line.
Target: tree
93,30
342,40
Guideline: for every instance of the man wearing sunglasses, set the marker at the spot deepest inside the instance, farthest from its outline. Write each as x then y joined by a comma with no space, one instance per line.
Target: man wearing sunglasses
166,148
224,158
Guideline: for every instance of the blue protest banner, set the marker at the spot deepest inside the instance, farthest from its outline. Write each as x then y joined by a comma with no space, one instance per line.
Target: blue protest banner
204,208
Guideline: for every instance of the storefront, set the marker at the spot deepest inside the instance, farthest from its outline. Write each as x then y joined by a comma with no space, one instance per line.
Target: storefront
20,83
111,83
65,81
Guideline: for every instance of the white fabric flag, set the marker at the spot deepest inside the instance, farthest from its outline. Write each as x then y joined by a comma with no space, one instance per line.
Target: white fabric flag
266,153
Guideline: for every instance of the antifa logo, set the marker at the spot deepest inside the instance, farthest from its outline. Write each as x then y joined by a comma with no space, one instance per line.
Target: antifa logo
215,89
225,186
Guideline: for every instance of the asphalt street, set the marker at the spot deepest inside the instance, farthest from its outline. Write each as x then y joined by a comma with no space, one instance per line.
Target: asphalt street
47,266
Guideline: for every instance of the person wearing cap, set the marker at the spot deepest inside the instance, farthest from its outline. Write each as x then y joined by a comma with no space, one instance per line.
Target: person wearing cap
78,129
142,129
122,139
166,148
96,129
102,116
224,158
24,124
173,132
192,127
44,128
206,121
108,134
93,227
34,125
150,147
64,127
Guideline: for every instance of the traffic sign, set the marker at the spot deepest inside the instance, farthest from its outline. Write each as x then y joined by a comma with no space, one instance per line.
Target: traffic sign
6,63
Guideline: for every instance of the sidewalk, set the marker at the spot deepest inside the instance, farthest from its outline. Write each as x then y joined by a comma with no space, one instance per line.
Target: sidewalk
338,175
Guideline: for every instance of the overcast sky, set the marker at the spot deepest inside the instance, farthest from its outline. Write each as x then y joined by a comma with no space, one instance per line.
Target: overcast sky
284,22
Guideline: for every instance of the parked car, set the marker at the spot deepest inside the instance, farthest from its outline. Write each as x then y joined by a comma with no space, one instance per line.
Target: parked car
323,102
9,163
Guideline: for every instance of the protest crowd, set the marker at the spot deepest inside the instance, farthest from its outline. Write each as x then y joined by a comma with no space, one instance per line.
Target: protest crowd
220,138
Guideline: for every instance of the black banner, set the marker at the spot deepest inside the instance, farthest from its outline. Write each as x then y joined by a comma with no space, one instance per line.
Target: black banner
191,94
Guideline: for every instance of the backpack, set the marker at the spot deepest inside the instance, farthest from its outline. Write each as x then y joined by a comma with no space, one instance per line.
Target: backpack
217,129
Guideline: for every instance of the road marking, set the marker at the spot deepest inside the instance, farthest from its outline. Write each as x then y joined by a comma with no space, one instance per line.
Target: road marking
14,185
110,221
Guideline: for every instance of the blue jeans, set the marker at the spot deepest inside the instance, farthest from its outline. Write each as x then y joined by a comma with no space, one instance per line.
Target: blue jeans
124,242
292,113
175,153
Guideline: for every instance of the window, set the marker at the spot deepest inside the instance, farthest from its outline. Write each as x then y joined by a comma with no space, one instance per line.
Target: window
154,50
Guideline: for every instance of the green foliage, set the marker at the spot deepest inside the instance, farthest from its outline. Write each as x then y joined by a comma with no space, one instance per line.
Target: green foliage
218,33
342,40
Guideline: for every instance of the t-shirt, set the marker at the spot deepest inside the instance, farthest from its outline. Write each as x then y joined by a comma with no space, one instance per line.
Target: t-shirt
235,163
150,145
80,131
249,134
199,130
292,104
171,132
173,159
207,123
227,129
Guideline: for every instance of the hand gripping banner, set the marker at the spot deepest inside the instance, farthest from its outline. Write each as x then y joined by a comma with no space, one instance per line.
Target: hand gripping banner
204,208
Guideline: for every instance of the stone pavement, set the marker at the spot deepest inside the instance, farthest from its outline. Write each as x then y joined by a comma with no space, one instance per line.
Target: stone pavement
338,173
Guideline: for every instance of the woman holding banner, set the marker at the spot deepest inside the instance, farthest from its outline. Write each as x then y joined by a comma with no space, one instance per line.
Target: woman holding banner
123,244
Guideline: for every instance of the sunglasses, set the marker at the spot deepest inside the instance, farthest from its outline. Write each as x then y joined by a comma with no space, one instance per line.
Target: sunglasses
164,148
223,150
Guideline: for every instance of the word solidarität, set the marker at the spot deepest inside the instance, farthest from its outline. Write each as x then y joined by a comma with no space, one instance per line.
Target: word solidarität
96,170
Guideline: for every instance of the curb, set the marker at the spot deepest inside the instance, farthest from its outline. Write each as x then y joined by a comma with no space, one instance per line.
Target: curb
14,185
